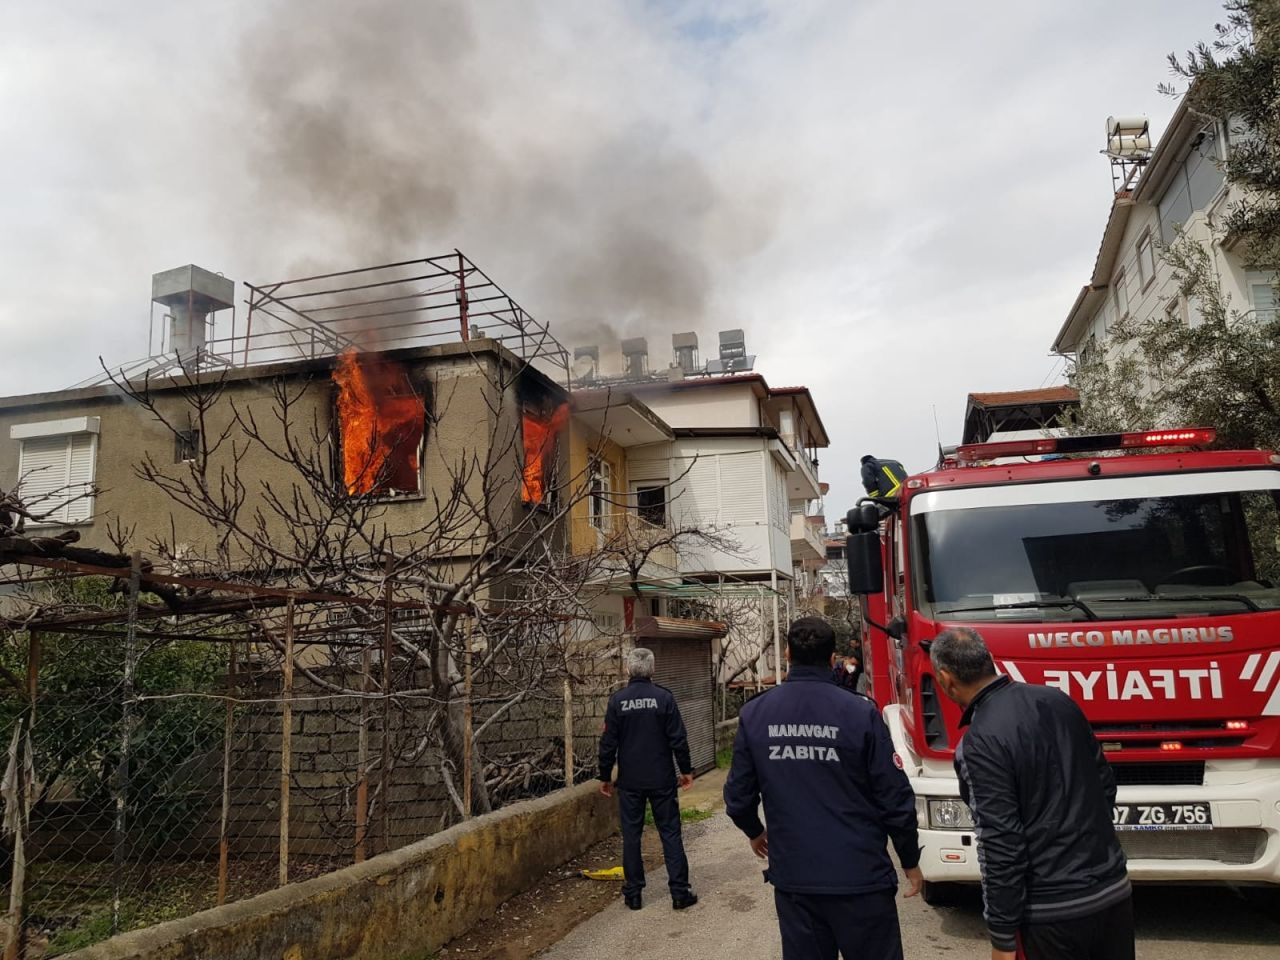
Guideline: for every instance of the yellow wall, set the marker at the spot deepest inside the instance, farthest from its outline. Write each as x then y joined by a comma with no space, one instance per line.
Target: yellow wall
583,444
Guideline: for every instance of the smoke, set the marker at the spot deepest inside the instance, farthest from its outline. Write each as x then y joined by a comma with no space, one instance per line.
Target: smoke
555,144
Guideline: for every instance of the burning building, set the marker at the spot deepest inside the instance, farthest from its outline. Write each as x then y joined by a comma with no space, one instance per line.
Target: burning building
382,420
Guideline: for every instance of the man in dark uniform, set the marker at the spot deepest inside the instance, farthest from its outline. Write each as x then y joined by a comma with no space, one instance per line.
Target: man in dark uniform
643,731
834,794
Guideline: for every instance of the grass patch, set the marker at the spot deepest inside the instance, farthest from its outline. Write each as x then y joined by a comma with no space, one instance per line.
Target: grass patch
724,758
687,815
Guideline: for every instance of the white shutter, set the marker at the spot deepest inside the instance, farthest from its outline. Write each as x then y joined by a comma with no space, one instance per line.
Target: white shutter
54,470
696,496
80,476
42,475
741,488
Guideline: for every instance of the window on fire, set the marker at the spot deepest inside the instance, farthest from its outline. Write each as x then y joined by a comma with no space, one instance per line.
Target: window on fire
1123,559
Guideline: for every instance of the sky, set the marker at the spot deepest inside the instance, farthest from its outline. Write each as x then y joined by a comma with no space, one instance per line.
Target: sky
897,202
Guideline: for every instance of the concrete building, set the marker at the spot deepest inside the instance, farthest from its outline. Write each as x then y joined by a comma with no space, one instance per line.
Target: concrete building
742,463
1180,186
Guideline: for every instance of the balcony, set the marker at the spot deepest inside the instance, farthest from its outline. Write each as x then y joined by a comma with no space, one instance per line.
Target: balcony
802,483
808,546
618,541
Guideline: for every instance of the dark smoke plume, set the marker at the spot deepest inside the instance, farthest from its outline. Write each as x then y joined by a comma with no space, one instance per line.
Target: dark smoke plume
409,128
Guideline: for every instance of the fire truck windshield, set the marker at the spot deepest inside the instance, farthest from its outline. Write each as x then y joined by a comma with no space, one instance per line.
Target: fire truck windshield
1092,550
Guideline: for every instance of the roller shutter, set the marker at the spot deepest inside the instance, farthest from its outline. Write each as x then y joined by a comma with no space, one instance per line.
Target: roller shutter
684,668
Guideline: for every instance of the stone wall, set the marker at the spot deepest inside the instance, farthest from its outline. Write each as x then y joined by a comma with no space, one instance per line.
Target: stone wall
408,902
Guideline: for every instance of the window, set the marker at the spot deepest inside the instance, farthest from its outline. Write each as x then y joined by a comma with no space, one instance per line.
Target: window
57,468
1262,295
381,418
1146,260
185,445
600,497
1175,311
1120,291
1087,350
651,505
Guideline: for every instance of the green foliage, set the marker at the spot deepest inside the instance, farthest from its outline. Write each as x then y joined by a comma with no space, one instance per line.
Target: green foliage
1235,77
80,715
724,758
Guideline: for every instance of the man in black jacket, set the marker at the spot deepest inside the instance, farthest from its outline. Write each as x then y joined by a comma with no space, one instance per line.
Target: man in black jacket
642,732
834,794
1041,793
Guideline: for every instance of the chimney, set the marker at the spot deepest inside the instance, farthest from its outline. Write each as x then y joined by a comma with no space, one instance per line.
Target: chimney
190,294
684,351
586,363
636,354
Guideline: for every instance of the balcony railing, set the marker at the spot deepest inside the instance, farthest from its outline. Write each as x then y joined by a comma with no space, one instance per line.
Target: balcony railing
807,465
621,538
807,543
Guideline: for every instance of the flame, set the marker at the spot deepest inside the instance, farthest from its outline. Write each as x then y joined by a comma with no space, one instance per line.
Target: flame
381,419
539,438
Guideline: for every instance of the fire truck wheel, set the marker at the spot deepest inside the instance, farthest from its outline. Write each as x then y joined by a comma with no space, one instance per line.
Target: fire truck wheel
941,894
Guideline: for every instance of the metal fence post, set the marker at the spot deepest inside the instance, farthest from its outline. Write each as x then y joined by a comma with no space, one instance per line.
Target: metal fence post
286,741
228,731
568,731
468,727
362,756
14,947
126,731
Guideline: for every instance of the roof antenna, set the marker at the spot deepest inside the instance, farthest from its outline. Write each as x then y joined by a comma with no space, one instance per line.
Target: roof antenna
937,432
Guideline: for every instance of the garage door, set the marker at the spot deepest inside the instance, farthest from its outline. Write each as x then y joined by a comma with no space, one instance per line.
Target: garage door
684,668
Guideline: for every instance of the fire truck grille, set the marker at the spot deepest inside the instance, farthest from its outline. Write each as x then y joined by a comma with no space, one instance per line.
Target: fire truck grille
935,730
1157,774
1234,845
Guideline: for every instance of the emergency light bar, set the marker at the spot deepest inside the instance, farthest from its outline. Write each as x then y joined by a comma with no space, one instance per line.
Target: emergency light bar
1188,437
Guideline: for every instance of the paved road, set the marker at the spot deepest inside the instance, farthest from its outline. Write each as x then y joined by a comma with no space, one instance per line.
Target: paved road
735,918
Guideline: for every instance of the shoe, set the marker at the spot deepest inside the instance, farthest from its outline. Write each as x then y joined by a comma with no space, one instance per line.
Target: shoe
634,902
685,902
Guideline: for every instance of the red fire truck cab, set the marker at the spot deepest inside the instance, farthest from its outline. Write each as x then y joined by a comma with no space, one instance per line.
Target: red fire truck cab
1146,586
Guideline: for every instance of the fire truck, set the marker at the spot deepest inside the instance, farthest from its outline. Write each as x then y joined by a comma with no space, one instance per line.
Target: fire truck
1136,572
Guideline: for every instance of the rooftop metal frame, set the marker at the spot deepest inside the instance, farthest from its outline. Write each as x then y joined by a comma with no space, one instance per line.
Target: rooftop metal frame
411,303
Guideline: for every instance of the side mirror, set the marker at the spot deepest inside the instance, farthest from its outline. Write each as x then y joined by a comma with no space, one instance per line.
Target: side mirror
864,518
866,566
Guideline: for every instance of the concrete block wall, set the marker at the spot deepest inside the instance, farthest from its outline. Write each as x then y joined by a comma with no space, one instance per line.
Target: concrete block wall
408,902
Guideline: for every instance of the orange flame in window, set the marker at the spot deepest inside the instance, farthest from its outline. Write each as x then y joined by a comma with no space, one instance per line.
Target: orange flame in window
381,420
539,439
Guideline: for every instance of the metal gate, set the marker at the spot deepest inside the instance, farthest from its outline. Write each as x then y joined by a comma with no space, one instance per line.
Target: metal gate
684,668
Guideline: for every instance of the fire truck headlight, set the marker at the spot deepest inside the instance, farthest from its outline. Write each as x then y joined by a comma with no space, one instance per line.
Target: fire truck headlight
950,815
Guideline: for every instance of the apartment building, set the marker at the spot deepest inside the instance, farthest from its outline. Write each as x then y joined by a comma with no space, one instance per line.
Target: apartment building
741,464
1177,186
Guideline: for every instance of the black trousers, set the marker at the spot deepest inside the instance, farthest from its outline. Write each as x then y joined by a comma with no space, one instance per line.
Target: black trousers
861,926
1105,935
666,817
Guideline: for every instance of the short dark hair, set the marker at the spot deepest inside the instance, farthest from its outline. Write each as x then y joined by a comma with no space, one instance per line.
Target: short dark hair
963,653
811,642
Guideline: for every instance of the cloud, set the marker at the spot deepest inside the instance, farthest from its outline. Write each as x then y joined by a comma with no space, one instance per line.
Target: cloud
898,205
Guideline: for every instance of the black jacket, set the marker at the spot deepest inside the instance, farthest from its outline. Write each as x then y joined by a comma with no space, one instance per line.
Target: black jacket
833,788
642,731
1041,793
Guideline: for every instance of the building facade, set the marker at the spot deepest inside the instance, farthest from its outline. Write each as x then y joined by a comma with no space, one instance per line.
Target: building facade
1181,190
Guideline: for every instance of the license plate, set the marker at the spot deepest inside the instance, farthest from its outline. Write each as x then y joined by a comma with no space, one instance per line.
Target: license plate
1162,816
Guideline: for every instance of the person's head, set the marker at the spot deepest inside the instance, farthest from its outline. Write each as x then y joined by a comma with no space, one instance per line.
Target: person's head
962,663
811,643
640,664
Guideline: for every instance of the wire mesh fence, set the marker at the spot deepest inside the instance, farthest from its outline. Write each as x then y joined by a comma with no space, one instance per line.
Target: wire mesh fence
165,773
